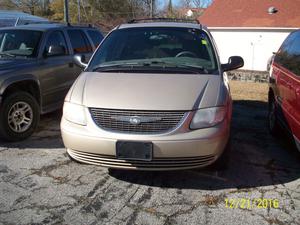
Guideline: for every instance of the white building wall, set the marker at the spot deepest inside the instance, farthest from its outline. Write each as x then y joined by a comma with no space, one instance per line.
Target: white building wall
255,46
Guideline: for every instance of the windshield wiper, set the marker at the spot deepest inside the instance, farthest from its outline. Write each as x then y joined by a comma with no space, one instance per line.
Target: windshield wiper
150,64
191,67
7,54
108,67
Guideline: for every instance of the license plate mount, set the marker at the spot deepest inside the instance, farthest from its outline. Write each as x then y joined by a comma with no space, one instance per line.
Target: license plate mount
130,150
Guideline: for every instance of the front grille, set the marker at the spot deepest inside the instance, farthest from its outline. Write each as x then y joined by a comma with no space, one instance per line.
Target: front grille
139,122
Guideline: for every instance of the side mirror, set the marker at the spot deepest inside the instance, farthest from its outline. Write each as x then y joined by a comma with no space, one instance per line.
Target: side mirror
79,61
55,50
234,62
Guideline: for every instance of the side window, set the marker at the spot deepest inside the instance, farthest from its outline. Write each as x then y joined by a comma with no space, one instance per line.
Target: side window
294,53
283,54
56,39
79,42
96,37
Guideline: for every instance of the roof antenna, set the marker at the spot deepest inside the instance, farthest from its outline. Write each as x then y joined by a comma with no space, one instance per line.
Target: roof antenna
272,10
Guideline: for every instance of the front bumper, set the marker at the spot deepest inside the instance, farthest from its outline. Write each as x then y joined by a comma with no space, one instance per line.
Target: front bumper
171,151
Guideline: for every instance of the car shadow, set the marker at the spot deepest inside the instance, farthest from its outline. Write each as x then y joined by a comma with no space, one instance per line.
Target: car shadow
257,159
47,134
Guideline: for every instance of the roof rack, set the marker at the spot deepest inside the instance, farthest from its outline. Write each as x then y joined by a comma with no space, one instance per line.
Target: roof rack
177,20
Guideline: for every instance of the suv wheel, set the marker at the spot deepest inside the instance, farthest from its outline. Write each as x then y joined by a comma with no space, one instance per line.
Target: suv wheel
272,118
19,116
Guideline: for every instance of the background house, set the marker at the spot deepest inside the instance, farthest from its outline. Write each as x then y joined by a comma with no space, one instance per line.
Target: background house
252,29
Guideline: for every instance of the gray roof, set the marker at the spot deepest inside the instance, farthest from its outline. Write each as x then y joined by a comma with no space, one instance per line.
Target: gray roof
44,27
38,27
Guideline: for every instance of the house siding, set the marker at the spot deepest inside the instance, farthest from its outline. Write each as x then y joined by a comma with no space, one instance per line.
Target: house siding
255,45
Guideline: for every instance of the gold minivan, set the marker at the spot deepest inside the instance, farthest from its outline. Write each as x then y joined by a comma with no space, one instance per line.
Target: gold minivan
154,96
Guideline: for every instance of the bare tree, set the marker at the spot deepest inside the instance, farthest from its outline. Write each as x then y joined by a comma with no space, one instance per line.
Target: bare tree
7,4
33,7
186,3
28,5
170,8
201,3
149,6
198,3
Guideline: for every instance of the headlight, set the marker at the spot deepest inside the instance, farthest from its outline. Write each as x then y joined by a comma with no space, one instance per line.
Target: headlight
74,113
209,117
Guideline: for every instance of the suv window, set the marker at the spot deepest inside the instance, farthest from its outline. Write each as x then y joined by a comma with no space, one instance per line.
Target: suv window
157,47
288,55
79,41
56,38
282,55
19,43
294,53
96,37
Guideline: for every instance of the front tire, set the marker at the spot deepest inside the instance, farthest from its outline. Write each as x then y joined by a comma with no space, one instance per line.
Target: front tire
19,116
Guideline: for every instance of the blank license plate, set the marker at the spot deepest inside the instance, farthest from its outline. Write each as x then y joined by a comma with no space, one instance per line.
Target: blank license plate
134,150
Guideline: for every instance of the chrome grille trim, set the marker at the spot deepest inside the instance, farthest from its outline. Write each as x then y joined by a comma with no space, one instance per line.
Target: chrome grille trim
155,164
151,122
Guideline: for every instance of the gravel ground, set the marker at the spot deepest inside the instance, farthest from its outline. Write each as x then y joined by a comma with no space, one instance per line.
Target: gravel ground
40,185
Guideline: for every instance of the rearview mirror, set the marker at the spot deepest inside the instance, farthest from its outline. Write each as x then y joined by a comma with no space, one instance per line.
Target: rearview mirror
234,62
79,61
55,50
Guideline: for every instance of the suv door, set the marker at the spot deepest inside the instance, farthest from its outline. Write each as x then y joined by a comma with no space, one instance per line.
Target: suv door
55,70
292,77
279,71
80,45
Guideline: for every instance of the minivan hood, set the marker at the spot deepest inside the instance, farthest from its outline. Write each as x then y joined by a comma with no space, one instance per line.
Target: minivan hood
150,91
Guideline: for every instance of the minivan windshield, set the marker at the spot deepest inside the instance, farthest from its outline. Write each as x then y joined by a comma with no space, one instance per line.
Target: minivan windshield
159,48
15,43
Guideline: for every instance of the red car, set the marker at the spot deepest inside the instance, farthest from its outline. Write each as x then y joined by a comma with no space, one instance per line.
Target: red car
284,88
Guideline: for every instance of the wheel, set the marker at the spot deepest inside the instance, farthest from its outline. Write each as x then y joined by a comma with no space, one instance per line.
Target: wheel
19,116
272,117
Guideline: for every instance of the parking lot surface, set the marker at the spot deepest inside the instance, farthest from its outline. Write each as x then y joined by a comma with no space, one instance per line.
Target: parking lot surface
40,185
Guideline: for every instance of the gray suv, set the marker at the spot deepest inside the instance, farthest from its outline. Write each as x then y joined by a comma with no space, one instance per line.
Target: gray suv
37,68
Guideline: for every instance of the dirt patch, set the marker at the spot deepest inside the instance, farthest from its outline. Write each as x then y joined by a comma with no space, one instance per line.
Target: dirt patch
249,91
